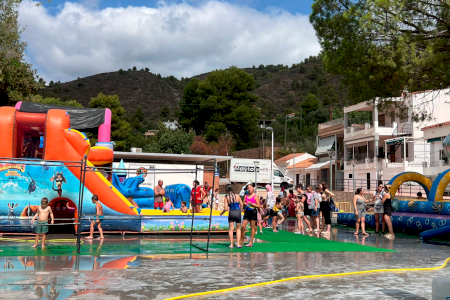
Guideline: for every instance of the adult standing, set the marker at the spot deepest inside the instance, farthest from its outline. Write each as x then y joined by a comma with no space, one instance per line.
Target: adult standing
159,194
270,205
303,197
309,207
315,213
292,205
379,208
325,207
252,203
359,203
233,204
197,195
387,205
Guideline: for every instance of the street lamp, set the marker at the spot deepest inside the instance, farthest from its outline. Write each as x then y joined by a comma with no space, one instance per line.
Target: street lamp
353,162
256,163
271,164
331,154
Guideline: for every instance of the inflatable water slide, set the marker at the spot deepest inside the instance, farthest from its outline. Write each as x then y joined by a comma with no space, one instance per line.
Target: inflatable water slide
41,154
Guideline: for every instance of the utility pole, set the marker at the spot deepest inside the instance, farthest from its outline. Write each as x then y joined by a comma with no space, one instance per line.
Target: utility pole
331,113
285,131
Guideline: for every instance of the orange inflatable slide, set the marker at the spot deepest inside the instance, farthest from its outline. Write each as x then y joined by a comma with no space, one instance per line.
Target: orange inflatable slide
60,143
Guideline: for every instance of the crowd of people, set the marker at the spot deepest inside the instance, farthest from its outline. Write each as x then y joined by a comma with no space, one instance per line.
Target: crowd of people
272,211
382,209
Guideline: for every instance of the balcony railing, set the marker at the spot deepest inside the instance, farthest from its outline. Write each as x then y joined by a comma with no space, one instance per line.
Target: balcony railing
434,164
359,127
335,122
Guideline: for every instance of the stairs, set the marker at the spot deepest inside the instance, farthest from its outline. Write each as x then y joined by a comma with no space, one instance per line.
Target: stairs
397,136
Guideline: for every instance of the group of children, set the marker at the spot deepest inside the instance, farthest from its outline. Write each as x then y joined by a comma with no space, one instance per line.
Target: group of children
44,213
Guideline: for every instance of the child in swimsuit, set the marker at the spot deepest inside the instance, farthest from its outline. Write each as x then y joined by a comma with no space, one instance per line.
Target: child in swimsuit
261,214
183,207
278,208
168,205
299,212
44,212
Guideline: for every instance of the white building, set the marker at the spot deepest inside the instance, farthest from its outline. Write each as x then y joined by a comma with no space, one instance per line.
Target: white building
434,135
376,150
287,161
171,125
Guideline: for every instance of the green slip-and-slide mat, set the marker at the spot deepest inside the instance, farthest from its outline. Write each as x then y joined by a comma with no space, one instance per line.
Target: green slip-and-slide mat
282,241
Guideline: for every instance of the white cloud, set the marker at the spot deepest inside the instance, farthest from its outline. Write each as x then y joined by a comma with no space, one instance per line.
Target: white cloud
172,39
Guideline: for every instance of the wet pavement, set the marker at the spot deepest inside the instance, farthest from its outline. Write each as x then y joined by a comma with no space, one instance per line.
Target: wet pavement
100,276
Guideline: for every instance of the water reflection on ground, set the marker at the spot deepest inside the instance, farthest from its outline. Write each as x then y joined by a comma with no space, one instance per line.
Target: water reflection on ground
98,276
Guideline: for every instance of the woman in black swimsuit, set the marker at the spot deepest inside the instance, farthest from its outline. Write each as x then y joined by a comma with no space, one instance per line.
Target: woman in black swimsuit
387,203
233,204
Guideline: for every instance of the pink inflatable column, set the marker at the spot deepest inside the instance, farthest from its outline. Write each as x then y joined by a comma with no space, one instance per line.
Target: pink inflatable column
104,131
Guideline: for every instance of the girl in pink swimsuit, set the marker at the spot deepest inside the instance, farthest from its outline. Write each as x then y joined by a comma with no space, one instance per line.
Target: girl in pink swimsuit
168,205
250,214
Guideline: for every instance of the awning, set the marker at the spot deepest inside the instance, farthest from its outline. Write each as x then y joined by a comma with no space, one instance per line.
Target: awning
325,144
394,141
318,166
166,157
439,139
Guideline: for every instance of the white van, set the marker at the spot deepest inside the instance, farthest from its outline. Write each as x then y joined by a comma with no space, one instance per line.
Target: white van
242,170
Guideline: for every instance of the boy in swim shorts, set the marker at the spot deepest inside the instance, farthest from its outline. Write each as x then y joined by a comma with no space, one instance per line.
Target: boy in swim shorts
98,217
43,213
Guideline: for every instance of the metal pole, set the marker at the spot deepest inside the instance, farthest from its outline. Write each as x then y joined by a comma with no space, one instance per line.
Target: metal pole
211,204
271,165
256,179
262,138
193,204
331,173
354,183
285,131
80,204
293,170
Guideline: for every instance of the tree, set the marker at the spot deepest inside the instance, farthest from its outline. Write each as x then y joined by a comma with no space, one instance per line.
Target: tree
18,77
134,68
383,48
165,112
170,141
120,128
221,103
54,101
147,70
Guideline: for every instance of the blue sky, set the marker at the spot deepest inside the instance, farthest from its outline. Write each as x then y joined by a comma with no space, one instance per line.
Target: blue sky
292,6
80,38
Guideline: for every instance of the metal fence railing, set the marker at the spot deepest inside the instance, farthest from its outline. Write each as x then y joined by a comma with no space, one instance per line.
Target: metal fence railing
79,220
407,189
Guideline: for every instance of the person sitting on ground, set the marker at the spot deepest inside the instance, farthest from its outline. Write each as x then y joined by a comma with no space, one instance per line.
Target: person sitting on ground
97,220
43,213
419,196
183,208
168,205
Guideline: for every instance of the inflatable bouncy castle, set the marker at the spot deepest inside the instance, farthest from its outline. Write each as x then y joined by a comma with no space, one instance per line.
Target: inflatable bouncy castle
42,152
